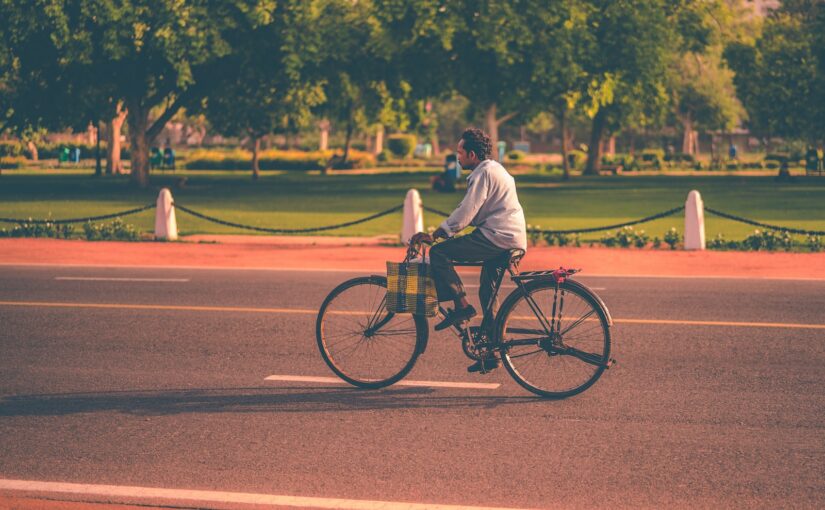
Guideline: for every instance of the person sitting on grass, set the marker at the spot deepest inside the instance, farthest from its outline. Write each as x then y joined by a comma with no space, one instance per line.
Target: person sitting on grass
492,206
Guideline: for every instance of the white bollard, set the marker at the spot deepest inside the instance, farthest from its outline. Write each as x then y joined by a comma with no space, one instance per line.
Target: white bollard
413,216
165,225
694,222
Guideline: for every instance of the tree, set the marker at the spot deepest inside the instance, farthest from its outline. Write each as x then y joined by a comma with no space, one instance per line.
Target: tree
700,83
266,90
559,36
363,84
630,46
780,78
153,54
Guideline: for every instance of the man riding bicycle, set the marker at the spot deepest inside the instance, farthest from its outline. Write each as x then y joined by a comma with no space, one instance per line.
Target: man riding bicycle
491,205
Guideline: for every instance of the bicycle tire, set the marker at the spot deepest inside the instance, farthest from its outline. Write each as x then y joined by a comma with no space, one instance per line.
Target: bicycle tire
596,332
343,296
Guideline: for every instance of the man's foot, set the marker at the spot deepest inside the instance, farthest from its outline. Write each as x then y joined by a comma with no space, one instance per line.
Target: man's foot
456,316
485,365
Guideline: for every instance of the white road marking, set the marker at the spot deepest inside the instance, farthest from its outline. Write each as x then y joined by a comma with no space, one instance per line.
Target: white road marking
383,269
221,497
107,279
305,311
403,382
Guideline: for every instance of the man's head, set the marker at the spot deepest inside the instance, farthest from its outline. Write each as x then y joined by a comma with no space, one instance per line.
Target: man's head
474,146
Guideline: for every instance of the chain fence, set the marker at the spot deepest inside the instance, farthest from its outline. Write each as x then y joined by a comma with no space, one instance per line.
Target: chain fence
395,209
764,225
78,220
288,230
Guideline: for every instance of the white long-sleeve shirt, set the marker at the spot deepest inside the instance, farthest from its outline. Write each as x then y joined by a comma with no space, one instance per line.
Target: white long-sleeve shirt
491,205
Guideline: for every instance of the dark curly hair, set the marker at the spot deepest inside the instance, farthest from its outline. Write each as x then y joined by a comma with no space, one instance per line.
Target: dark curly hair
476,140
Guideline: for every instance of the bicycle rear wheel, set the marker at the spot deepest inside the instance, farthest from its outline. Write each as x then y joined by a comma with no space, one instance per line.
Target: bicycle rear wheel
361,341
558,365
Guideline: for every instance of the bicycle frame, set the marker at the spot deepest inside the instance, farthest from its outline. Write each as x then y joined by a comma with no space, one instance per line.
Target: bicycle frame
551,330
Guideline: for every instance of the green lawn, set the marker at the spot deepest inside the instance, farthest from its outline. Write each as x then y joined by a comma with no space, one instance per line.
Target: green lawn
299,200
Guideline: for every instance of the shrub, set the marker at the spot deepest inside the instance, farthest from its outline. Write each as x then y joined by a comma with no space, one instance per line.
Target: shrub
10,149
679,157
627,161
117,230
720,243
608,239
401,145
12,162
534,234
516,155
31,229
383,156
641,239
657,243
814,243
769,240
672,237
578,158
624,237
271,160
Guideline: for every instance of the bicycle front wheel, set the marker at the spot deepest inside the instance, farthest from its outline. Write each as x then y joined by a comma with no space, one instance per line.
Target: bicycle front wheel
563,363
361,341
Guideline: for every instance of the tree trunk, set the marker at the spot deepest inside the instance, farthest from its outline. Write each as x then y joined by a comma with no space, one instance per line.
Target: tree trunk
32,150
348,139
256,146
138,124
323,143
98,169
492,129
379,140
113,163
687,138
594,155
564,137
434,142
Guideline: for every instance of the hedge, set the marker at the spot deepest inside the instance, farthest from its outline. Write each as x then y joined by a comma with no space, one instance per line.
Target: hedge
271,160
401,145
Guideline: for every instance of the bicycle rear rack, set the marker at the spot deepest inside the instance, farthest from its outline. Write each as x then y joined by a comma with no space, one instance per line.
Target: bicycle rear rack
558,275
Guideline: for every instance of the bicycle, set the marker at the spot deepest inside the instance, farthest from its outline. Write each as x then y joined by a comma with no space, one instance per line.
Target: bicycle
555,356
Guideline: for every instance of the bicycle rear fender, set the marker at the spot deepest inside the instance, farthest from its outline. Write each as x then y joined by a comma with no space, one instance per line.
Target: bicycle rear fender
580,286
585,288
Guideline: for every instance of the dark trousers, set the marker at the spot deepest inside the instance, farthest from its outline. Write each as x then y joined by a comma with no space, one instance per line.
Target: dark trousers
470,248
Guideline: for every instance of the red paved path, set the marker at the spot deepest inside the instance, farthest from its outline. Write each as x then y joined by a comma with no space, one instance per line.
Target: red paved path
278,253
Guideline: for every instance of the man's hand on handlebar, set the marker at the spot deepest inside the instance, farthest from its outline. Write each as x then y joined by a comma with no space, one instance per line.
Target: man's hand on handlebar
423,237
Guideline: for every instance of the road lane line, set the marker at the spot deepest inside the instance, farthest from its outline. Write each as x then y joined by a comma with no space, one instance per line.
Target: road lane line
144,493
118,306
721,323
403,382
107,279
231,309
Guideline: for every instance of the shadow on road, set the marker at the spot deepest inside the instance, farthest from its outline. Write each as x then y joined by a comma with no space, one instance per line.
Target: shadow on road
247,400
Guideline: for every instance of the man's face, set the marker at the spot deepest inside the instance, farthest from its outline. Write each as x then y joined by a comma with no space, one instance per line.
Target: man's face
467,161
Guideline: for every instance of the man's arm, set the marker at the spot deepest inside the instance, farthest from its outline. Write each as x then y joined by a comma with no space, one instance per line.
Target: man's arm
465,212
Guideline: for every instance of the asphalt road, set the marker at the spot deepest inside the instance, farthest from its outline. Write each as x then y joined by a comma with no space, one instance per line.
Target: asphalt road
693,415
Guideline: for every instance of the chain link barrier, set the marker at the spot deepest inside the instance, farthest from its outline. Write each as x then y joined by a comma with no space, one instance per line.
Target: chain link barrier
763,225
79,220
286,230
397,208
663,214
